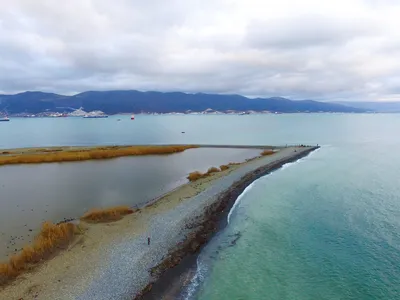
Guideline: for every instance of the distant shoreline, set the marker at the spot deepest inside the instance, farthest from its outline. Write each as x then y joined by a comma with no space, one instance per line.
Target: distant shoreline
197,113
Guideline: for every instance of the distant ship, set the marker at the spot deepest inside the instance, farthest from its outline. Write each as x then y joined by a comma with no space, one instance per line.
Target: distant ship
5,119
78,113
58,115
95,115
132,117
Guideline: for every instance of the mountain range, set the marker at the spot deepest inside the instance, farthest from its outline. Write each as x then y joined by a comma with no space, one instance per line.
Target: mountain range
132,101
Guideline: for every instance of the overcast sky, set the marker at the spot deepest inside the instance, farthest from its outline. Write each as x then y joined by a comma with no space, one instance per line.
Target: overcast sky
301,49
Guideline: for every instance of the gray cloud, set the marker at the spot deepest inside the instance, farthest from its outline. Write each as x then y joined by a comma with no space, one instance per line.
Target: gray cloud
308,31
308,50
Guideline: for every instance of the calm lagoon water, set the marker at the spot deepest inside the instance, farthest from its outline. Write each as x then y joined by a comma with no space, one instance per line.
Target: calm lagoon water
326,227
31,194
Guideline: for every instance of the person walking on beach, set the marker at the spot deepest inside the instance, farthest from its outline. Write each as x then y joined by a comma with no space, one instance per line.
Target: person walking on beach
148,241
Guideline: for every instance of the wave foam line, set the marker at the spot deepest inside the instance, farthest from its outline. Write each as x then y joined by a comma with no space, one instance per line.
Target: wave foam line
200,268
246,190
285,166
196,280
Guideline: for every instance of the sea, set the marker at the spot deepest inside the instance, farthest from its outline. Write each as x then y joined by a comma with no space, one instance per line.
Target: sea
324,227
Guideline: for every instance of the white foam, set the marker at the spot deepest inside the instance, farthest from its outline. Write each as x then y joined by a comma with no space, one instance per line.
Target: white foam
287,165
283,167
196,280
239,198
201,268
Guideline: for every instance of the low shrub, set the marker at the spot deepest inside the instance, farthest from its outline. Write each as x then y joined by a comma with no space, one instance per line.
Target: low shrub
106,214
224,167
213,170
198,175
267,152
195,176
51,238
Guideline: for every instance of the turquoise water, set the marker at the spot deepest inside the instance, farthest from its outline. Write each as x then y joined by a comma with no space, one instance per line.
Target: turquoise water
326,227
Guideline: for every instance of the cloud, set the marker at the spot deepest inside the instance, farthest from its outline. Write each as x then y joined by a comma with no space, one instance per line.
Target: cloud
307,31
299,49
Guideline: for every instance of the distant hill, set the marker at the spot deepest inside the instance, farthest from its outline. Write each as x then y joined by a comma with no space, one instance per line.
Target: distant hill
375,106
113,102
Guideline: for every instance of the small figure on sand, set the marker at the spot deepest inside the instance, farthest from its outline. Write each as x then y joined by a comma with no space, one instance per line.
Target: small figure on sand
148,240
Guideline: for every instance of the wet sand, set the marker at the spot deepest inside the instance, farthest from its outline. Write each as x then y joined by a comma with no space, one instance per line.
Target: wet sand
113,260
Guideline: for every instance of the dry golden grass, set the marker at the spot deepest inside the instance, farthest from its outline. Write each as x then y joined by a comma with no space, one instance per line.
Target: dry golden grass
224,167
198,175
107,214
213,170
267,152
195,176
47,156
50,239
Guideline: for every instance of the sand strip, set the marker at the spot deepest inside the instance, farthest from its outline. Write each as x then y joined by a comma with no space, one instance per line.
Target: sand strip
114,261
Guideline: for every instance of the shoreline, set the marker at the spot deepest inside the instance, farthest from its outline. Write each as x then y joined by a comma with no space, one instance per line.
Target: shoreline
175,271
120,260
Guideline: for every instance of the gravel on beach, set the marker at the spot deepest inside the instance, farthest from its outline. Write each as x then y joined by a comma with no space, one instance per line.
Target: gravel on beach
127,270
114,261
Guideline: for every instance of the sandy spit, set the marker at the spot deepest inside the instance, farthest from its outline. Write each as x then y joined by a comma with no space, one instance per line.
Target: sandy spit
113,260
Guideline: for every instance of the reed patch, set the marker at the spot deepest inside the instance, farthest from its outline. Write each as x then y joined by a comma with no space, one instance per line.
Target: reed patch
194,176
51,239
110,214
67,155
267,152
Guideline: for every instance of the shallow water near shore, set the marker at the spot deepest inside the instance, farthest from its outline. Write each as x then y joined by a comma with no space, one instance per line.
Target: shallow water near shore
326,227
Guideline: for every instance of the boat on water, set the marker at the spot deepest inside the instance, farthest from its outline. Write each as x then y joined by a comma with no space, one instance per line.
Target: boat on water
95,115
78,113
132,117
58,115
5,119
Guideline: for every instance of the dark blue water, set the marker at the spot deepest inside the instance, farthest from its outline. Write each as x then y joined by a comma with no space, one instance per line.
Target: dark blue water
327,227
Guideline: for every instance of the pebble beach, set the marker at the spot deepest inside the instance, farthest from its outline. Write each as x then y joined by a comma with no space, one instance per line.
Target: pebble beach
114,260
